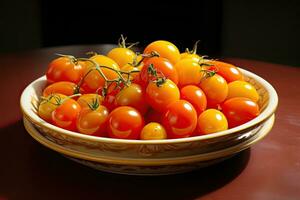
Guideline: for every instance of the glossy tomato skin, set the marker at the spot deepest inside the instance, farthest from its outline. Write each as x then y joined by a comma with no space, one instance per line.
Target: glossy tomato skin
153,131
159,97
64,69
125,123
93,81
162,66
192,56
65,115
62,87
180,119
215,89
132,95
47,106
239,110
165,49
211,121
121,55
189,72
92,122
228,71
195,96
242,89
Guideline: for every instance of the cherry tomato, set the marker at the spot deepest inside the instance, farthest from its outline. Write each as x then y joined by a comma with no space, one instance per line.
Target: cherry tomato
129,68
215,89
192,56
48,105
65,69
62,87
195,96
121,55
228,71
162,66
88,99
239,110
153,131
211,121
242,89
65,115
93,121
93,79
160,96
132,95
165,49
180,119
189,72
125,123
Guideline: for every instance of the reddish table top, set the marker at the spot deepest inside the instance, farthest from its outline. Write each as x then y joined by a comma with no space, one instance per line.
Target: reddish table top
28,170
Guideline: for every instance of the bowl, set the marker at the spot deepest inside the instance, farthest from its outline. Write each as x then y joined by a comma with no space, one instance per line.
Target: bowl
121,152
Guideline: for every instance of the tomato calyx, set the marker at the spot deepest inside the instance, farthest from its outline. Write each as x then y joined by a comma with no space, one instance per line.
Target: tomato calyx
72,58
194,50
122,43
155,76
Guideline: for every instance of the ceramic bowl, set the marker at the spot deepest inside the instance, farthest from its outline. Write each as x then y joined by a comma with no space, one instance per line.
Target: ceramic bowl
141,152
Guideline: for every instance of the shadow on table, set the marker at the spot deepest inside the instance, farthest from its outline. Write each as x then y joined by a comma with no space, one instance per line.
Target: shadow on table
30,171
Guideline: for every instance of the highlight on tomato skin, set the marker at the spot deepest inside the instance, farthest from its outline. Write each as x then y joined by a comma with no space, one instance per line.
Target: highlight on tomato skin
61,87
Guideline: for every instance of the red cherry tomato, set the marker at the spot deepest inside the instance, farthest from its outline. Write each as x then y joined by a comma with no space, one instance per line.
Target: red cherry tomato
239,110
180,119
62,87
195,96
228,71
65,115
65,69
125,123
159,97
162,66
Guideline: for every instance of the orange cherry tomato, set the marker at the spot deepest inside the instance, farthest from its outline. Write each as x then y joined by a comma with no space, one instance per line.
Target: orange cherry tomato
189,72
92,77
125,123
162,66
228,71
48,105
215,89
132,95
62,87
93,121
121,55
211,121
195,96
153,131
242,89
159,97
165,49
180,119
65,69
86,100
239,110
65,115
192,56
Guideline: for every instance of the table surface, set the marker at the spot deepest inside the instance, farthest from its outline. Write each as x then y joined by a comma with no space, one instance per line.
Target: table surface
28,170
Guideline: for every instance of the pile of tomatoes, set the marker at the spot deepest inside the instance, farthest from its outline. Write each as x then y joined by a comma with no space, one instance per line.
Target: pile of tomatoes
159,94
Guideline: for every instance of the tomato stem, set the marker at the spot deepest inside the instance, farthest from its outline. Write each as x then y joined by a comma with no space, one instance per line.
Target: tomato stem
122,43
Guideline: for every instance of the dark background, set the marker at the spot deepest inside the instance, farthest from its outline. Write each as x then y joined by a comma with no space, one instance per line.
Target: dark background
262,30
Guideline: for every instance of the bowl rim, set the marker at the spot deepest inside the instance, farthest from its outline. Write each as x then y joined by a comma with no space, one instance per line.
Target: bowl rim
266,128
25,102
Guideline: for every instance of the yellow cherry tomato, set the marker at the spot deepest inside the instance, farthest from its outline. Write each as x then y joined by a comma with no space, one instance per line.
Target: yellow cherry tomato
165,49
211,121
189,72
121,55
153,131
192,56
48,105
242,89
215,89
